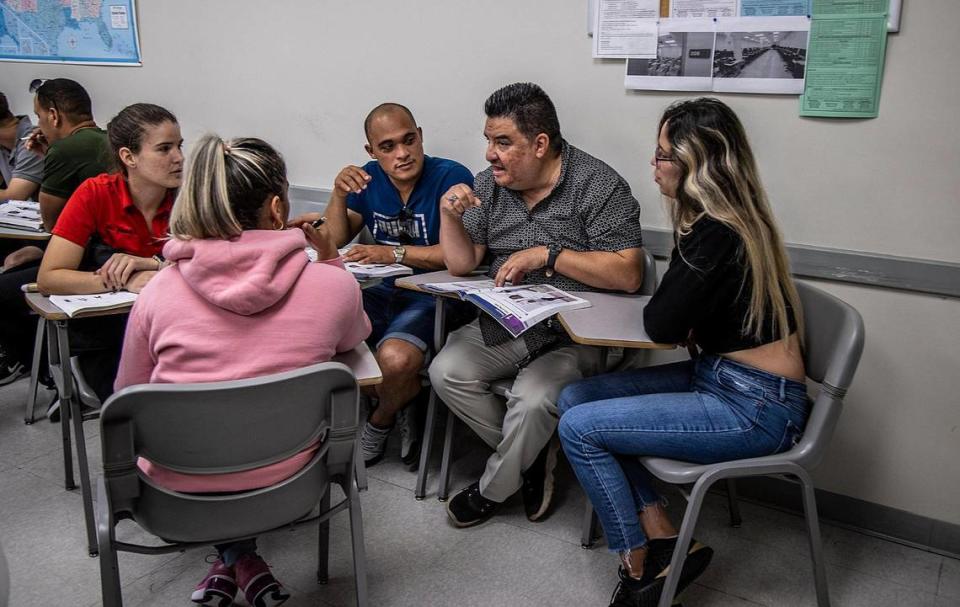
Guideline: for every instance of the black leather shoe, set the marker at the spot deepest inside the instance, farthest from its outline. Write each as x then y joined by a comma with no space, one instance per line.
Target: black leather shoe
646,591
537,488
469,508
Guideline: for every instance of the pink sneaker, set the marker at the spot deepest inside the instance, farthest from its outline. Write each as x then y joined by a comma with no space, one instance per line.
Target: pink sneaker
218,588
259,586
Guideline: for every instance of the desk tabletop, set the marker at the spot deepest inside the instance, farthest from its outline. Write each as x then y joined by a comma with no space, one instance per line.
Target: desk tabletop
17,233
613,319
363,364
41,304
413,282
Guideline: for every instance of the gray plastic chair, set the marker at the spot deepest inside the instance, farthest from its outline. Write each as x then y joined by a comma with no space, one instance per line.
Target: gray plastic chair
500,387
833,343
228,427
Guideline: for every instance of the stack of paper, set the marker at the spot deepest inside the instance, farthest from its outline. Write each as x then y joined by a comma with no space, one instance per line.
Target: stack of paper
23,214
74,304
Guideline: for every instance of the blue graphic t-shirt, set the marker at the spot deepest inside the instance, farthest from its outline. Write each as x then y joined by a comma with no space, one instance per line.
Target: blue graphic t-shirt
418,223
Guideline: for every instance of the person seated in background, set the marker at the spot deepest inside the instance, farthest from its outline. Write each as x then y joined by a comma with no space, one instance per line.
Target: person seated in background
69,147
111,232
396,196
238,299
728,288
548,213
21,169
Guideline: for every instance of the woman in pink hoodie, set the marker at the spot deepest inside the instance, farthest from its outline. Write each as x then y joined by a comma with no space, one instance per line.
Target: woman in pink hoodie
239,299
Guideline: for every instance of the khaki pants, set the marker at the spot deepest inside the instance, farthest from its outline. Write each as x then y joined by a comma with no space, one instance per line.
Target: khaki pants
519,428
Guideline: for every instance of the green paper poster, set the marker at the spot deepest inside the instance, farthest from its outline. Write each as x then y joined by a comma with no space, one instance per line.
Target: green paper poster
848,40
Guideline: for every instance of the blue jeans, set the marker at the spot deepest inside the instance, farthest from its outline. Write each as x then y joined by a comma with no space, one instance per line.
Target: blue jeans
703,411
397,313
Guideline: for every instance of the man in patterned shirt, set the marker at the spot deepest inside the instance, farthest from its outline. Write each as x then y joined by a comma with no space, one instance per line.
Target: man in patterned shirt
545,212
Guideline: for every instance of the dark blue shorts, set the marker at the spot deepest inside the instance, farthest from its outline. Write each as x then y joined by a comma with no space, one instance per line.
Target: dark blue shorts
397,313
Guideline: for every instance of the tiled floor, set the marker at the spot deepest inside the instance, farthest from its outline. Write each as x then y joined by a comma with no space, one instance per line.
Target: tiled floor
416,558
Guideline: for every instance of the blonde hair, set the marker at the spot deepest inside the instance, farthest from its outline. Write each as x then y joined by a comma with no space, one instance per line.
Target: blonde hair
719,179
227,185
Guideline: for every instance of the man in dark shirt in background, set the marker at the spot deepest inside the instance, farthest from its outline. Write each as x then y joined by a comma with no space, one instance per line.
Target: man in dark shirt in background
73,148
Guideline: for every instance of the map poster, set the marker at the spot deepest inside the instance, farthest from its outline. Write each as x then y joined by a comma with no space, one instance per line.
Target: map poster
70,31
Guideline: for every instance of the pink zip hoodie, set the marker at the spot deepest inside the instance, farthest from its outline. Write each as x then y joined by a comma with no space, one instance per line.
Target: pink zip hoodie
232,309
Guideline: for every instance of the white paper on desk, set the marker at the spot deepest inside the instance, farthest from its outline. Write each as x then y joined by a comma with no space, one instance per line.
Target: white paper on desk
684,60
73,304
626,28
699,9
761,55
23,214
366,271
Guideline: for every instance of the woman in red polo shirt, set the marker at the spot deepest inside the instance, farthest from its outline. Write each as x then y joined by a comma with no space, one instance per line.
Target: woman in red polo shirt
112,230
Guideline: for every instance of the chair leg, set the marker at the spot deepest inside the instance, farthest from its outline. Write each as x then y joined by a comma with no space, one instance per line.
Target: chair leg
733,504
816,542
323,555
426,445
443,489
683,540
109,569
360,469
30,415
588,529
356,535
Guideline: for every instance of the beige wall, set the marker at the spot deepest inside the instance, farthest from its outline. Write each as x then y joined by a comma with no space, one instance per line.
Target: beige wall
303,74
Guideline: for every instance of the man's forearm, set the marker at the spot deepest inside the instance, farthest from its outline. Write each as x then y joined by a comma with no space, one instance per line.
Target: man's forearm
459,254
615,270
427,258
337,222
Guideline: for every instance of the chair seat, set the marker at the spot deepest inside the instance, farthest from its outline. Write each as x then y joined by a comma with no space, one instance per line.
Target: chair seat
678,472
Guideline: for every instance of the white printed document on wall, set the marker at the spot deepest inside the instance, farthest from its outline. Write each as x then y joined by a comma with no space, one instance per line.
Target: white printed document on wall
625,28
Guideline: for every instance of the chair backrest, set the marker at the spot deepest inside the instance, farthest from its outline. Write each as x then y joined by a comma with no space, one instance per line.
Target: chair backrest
649,284
223,427
833,343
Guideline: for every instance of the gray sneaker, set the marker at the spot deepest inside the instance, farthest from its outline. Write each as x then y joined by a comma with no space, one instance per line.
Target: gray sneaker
10,370
409,435
373,443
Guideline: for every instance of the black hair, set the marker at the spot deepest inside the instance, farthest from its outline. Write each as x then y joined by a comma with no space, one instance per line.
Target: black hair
67,97
384,108
127,128
5,113
530,108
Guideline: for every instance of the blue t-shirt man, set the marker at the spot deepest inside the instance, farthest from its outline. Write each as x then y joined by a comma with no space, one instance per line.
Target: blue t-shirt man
416,223
397,197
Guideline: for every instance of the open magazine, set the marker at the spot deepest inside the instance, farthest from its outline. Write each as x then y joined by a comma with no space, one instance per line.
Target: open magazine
366,271
23,214
517,307
74,304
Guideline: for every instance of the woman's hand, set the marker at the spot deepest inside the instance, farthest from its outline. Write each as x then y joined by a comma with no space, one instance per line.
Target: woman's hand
320,239
139,280
120,267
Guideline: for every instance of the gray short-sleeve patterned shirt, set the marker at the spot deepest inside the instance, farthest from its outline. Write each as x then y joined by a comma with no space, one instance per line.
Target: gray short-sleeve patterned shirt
590,209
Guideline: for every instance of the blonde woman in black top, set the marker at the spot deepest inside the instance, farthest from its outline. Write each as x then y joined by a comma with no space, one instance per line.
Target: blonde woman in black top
728,290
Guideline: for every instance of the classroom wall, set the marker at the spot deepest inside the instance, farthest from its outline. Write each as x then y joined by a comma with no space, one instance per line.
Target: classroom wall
303,74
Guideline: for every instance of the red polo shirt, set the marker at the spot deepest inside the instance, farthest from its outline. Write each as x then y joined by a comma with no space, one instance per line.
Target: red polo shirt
102,206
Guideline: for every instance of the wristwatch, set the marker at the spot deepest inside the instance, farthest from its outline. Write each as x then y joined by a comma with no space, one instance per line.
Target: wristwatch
399,252
553,251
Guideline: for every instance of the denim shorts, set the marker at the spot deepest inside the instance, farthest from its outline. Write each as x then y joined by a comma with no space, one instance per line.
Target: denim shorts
397,313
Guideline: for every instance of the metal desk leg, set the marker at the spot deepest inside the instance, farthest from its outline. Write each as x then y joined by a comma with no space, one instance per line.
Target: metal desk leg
30,415
439,334
62,370
70,401
443,485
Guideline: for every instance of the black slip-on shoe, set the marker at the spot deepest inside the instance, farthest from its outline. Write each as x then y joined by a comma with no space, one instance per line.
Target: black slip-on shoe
469,508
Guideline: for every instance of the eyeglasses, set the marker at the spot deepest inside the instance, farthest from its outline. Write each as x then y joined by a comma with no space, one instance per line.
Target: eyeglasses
35,85
659,157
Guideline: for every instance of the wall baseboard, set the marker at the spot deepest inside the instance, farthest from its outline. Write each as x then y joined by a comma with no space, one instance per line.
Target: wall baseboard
867,517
